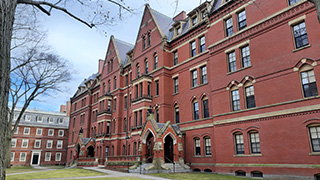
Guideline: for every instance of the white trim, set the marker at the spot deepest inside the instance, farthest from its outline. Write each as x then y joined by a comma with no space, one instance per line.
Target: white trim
27,140
51,141
172,136
34,153
146,134
15,143
62,132
12,156
56,157
52,132
59,142
25,157
37,131
45,157
24,130
35,142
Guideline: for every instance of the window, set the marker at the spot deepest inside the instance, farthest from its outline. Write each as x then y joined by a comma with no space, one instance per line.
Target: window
61,133
126,102
111,65
300,35
138,71
60,120
254,142
137,91
123,150
235,100
50,132
175,58
143,42
194,20
37,143
103,90
229,27
16,131
12,156
204,79
49,143
202,44
204,14
115,83
195,110
155,62
239,143
109,86
178,30
309,85
207,145
136,118
48,156
23,156
194,78
125,125
315,138
114,104
59,144
293,2
149,89
232,61
127,80
157,88
13,143
25,143
157,115
197,146
27,118
245,52
176,114
146,67
140,116
58,156
141,90
193,48
250,101
149,39
175,85
109,106
205,107
26,131
134,148
242,20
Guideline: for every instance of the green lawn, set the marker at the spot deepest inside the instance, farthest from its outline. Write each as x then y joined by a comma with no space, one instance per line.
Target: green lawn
202,176
61,173
116,178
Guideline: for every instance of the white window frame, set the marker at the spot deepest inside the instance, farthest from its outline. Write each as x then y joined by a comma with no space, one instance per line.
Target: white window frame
25,140
61,120
58,143
61,131
12,156
51,142
27,118
49,157
15,143
24,131
16,131
35,142
58,159
25,157
52,132
51,120
38,130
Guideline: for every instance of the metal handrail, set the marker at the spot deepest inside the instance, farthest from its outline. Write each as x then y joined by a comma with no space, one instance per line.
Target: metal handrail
174,164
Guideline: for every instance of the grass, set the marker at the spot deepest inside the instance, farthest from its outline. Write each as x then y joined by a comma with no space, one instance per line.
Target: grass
116,178
202,176
18,169
61,173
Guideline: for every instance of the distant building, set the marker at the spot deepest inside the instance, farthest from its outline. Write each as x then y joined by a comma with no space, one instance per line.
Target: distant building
40,138
231,87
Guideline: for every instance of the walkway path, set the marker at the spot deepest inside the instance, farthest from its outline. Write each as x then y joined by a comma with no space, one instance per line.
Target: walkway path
109,172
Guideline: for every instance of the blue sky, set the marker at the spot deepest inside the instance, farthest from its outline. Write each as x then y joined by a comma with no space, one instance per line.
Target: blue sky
83,46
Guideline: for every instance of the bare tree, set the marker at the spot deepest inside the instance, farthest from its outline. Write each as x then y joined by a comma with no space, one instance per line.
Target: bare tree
97,15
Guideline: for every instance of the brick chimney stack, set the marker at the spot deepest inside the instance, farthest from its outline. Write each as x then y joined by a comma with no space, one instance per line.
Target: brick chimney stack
181,16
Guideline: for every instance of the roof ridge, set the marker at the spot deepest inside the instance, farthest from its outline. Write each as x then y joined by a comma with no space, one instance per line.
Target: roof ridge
123,42
161,14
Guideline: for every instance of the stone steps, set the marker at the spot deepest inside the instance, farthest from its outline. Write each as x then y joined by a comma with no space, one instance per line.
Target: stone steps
176,168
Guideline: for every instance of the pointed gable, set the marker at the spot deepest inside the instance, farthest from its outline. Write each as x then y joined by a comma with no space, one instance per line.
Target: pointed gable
122,48
163,22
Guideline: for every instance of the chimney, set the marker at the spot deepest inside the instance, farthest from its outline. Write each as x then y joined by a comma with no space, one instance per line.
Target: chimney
180,16
63,108
101,62
68,108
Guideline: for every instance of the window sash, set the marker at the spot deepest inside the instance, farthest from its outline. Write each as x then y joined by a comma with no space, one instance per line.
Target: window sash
175,58
242,20
205,108
229,27
204,79
197,147
309,83
239,144
232,61
195,110
300,35
155,62
207,146
176,85
202,44
315,138
235,100
255,143
246,61
193,48
194,78
177,117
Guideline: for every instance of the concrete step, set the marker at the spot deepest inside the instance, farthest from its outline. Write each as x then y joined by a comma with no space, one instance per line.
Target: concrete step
176,168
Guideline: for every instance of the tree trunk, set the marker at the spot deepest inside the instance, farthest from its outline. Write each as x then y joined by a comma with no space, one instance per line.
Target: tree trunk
7,11
8,154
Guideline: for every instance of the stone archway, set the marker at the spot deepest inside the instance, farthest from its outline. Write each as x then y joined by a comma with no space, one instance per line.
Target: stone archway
149,148
168,149
90,151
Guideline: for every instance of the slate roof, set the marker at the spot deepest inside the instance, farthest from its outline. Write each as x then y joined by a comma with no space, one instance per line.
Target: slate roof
82,84
123,48
164,22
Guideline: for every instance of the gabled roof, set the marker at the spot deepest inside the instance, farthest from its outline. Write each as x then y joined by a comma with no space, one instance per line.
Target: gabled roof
164,22
81,87
122,48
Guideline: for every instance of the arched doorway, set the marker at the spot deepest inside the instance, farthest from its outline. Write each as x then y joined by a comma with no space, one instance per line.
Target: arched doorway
78,151
168,149
149,146
90,151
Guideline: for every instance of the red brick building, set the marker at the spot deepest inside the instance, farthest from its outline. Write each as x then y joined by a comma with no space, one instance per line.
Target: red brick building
41,138
230,87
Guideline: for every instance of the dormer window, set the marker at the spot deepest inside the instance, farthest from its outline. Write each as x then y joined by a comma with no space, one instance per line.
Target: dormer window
178,30
203,14
194,20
